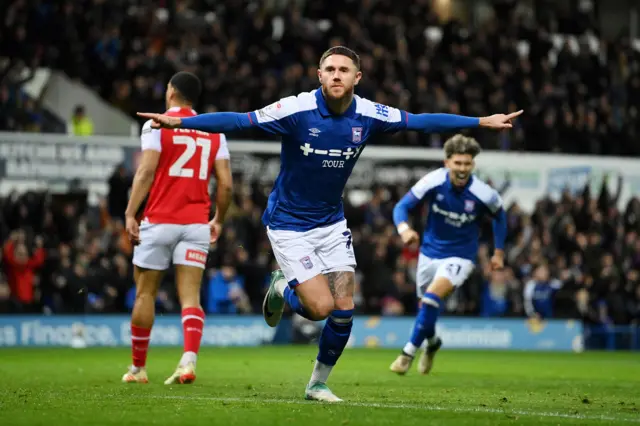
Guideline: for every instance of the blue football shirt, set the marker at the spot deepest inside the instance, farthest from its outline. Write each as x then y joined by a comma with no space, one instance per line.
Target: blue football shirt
319,151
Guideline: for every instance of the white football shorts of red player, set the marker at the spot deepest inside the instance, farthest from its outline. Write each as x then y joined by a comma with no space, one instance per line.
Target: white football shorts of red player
175,227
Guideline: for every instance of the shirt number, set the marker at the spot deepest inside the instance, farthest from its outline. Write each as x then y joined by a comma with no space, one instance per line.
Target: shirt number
453,269
177,169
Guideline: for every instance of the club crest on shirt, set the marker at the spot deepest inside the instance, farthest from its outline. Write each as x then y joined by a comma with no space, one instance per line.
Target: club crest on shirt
306,262
469,205
356,133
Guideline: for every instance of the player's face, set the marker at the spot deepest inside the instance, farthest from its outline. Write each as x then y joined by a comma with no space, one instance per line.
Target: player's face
461,166
338,76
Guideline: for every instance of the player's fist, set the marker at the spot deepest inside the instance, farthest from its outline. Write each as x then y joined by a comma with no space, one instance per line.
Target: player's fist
409,236
499,121
133,230
215,229
161,121
497,261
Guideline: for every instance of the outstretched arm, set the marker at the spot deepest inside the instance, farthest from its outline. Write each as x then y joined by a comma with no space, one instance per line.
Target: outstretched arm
279,118
387,119
215,122
444,122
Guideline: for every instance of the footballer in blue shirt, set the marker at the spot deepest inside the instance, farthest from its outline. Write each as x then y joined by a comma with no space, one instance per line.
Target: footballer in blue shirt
323,133
457,203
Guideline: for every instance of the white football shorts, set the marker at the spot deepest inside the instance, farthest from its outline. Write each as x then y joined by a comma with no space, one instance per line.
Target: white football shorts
455,269
303,255
161,244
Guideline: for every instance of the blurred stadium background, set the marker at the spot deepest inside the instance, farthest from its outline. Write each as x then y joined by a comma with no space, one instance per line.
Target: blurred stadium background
73,74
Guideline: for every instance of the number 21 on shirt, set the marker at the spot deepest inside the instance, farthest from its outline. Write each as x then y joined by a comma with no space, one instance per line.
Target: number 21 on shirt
191,144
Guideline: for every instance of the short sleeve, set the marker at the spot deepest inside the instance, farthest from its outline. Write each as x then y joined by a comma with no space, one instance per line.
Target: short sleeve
383,118
495,203
223,149
428,183
279,118
150,138
489,196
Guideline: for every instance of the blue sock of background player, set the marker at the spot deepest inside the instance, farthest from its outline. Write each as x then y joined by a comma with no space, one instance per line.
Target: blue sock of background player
425,324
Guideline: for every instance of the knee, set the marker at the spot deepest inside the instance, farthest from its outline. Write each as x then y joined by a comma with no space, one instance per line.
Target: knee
440,287
321,308
432,300
344,304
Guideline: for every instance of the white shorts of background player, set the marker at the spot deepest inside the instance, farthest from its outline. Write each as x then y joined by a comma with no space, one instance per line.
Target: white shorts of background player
162,244
303,255
455,269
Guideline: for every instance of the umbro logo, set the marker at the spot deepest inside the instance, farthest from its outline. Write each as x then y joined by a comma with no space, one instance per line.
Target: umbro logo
314,132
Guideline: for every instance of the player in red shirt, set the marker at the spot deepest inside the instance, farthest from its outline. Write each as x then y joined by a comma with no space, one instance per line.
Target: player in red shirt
175,170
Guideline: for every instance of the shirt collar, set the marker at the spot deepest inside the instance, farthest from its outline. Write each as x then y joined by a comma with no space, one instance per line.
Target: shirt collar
182,109
324,109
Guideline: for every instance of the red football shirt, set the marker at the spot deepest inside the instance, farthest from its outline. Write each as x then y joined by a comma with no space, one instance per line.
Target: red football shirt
180,190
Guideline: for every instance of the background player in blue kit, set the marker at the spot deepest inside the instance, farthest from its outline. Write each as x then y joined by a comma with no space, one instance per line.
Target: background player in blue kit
457,203
323,133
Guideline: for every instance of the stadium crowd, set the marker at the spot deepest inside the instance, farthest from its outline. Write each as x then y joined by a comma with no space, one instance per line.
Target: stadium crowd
578,92
575,258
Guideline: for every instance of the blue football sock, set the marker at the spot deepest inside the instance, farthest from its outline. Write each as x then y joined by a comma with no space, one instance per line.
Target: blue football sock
425,325
335,336
294,302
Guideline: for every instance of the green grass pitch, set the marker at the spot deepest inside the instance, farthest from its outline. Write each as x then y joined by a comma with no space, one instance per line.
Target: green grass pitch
265,386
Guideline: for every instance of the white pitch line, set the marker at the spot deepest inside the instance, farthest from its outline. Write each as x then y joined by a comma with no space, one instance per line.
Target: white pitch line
506,411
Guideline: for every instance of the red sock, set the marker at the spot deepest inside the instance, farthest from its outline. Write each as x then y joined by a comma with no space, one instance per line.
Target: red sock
192,325
140,338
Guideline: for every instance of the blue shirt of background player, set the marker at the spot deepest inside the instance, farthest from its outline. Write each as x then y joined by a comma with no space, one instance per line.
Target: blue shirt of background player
319,151
453,223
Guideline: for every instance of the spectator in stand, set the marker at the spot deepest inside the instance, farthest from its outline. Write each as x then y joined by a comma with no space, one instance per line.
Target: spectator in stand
7,304
225,293
539,293
80,123
20,267
119,185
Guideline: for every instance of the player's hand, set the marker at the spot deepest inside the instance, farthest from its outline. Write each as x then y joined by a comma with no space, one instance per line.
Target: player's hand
215,228
499,121
161,121
497,261
409,236
133,230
